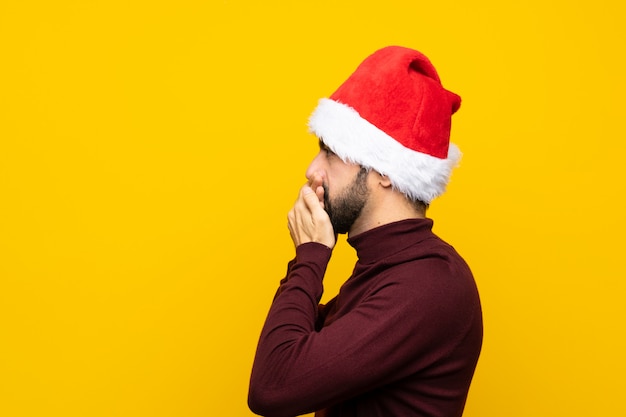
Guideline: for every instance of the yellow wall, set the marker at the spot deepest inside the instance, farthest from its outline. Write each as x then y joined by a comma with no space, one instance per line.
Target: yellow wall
149,152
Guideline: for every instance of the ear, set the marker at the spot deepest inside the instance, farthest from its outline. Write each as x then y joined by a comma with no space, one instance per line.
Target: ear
383,180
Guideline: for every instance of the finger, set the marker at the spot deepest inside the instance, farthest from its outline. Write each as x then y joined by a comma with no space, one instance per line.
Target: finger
311,199
291,217
299,204
319,191
292,225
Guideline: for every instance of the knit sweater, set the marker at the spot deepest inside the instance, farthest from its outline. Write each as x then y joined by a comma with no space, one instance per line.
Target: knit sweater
402,337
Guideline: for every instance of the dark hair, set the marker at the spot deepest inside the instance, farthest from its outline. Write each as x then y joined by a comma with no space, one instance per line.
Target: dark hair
419,206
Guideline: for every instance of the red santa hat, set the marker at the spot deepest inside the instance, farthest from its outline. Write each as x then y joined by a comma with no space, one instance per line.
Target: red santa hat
393,115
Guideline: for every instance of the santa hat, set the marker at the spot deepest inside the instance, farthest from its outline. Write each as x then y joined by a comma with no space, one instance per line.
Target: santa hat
393,115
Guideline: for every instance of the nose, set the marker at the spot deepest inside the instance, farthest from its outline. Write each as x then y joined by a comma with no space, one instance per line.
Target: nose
315,166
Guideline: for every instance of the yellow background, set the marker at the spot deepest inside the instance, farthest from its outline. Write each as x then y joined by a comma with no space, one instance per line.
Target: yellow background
149,152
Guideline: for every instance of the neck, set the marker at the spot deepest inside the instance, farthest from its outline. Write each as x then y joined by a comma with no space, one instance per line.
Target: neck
382,208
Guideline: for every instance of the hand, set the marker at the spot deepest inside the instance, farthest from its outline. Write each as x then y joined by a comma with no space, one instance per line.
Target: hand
308,221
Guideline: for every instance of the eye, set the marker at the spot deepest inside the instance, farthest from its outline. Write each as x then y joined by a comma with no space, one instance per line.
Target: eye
326,150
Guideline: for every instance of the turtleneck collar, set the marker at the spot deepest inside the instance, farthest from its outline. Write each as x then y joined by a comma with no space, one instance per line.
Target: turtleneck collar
386,240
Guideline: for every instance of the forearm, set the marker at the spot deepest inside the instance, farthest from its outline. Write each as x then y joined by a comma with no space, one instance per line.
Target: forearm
291,320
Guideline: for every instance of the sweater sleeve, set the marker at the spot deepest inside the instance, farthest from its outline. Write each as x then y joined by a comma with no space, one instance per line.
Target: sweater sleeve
292,317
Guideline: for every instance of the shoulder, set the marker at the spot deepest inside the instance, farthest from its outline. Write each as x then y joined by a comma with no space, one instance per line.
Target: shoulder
437,278
431,259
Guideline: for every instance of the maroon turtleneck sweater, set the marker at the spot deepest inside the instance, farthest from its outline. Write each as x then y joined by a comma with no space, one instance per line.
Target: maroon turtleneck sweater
401,338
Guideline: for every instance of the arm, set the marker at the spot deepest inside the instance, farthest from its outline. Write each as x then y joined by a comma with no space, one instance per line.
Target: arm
295,308
291,319
399,329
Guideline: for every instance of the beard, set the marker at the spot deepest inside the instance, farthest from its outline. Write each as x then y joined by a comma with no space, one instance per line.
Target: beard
346,208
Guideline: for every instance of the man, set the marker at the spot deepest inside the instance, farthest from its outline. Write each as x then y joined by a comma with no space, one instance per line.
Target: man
403,336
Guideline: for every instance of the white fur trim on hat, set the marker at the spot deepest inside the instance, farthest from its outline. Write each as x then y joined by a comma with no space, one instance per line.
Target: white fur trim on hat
417,175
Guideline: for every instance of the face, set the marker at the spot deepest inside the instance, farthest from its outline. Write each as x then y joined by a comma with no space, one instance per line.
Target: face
345,188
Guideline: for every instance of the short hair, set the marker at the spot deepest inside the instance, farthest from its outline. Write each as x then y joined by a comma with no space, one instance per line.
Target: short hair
419,205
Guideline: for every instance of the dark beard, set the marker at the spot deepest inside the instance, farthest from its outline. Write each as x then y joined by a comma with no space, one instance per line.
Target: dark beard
346,207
